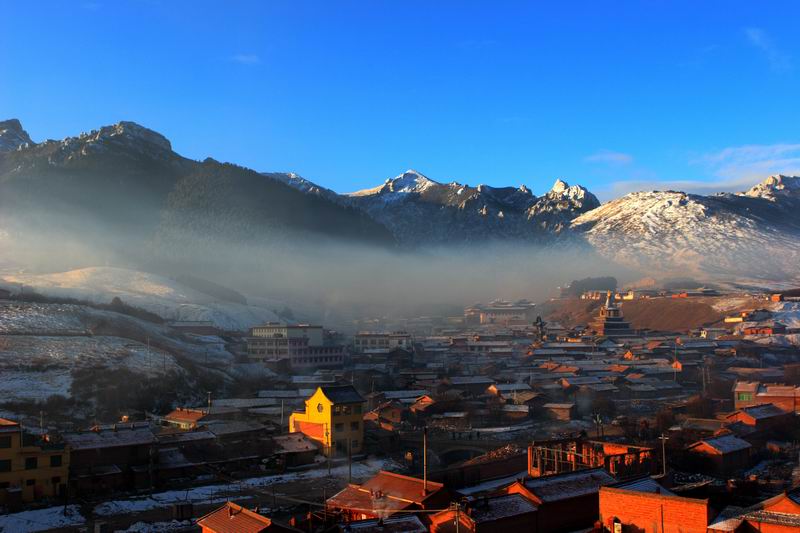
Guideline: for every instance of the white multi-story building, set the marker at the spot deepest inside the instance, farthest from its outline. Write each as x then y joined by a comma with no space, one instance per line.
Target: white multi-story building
303,345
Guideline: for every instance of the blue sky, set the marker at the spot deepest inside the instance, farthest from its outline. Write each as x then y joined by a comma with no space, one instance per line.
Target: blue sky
616,96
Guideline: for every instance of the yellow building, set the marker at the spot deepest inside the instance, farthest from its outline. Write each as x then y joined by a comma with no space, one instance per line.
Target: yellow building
31,468
333,417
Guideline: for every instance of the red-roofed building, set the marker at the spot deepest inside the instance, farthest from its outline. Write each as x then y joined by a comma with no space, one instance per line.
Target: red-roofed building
721,455
185,418
496,514
385,494
566,502
233,518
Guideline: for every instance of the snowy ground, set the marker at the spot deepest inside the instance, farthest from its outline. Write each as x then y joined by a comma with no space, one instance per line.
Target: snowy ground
41,519
41,344
158,294
221,493
36,367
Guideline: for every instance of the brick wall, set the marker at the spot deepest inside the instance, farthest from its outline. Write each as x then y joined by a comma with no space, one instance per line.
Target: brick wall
641,512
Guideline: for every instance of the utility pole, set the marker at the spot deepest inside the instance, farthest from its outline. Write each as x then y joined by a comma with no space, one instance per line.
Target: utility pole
349,460
330,447
281,430
425,461
663,440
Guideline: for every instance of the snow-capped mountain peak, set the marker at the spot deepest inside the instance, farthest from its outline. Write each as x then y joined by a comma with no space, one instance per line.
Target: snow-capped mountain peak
13,136
410,181
562,189
774,186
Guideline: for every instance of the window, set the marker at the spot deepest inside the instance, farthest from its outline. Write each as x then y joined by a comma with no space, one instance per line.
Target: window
354,426
357,409
5,465
30,482
355,444
55,460
31,463
56,480
5,442
745,396
340,446
339,427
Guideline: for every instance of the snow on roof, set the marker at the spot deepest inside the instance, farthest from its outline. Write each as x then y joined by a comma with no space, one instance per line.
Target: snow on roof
233,517
762,411
559,487
470,380
294,443
402,524
492,485
400,394
645,484
725,444
558,405
499,507
121,435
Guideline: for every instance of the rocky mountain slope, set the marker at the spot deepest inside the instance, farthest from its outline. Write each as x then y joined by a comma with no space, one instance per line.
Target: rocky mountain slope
753,235
123,187
421,211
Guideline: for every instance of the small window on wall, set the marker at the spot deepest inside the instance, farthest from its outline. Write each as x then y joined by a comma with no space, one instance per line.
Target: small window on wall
5,442
30,482
55,460
31,463
5,465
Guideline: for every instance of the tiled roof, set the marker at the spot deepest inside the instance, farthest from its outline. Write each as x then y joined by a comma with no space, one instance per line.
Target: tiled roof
568,485
644,484
233,518
402,524
386,491
763,411
489,509
341,394
725,443
122,435
185,415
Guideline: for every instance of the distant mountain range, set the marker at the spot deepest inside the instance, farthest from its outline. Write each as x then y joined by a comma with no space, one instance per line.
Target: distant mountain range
127,180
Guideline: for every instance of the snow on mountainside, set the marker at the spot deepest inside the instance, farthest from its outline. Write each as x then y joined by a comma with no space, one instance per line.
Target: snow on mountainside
12,136
160,295
720,236
419,210
774,187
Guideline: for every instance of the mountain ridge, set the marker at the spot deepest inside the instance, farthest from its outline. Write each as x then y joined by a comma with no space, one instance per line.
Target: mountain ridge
126,178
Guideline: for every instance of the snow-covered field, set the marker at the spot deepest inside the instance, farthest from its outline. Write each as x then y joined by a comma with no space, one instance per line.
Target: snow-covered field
42,519
36,367
158,294
42,344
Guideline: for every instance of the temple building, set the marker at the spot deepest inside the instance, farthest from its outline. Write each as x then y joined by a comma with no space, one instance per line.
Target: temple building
611,323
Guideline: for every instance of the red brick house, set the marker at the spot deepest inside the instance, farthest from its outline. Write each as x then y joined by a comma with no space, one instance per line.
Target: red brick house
722,455
780,514
644,505
784,397
761,417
